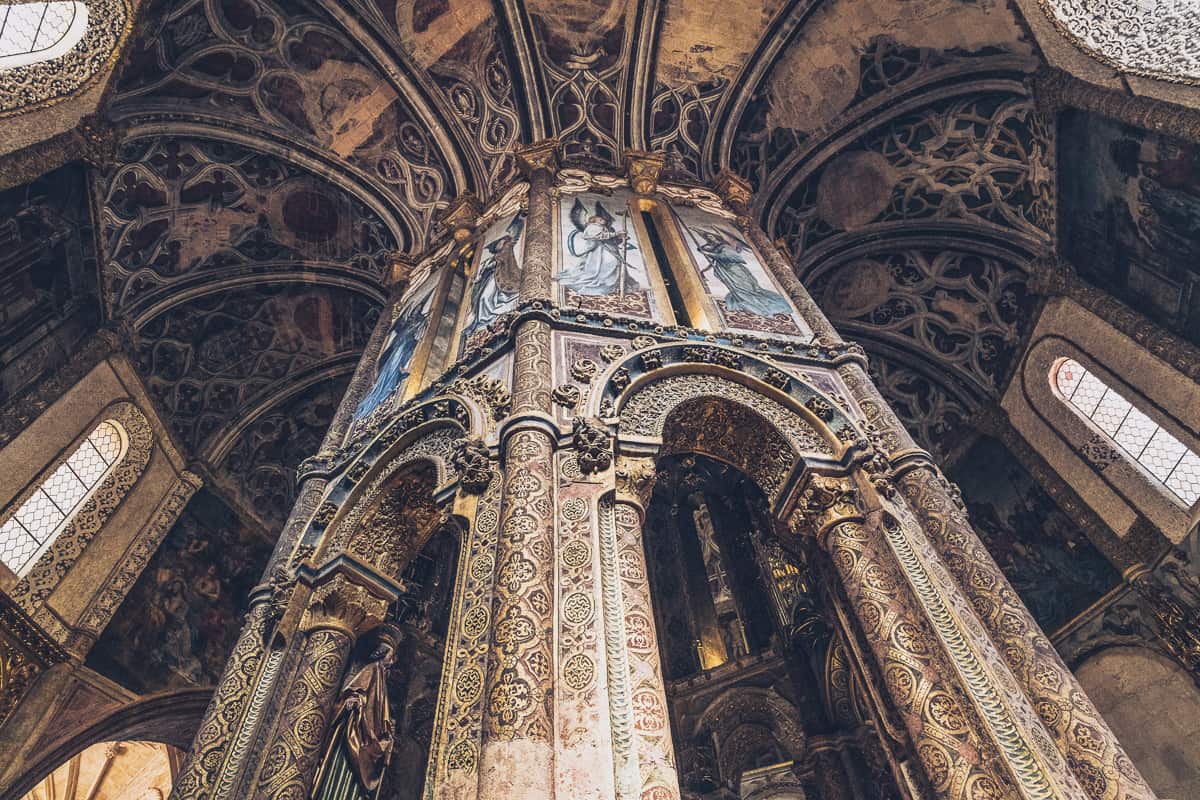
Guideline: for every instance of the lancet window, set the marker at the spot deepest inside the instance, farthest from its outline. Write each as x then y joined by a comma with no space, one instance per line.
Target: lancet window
34,32
45,513
1170,461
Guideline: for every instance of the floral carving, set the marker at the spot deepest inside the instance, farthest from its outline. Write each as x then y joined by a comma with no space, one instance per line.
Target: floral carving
594,444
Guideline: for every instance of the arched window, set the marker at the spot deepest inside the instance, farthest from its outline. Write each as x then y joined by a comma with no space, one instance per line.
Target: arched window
33,32
1166,458
43,515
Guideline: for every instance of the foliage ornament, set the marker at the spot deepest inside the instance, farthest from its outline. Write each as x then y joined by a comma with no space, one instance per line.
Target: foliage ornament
594,444
470,458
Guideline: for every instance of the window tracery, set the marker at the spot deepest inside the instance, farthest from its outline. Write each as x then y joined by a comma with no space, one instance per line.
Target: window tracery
1156,38
1170,461
45,513
33,32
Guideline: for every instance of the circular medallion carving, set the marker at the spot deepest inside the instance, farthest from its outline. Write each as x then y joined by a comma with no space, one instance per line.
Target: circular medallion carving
857,288
569,467
461,755
576,554
577,608
482,566
475,622
468,685
579,671
872,178
574,509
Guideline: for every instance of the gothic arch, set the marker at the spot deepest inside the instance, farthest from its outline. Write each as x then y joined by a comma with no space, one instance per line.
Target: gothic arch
734,710
169,718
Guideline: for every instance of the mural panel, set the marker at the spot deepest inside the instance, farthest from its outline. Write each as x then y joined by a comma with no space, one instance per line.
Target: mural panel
740,286
603,266
1131,216
409,324
1051,564
497,281
179,623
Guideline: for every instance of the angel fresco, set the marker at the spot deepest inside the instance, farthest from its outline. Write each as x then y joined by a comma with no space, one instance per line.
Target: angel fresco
499,279
603,267
727,263
397,352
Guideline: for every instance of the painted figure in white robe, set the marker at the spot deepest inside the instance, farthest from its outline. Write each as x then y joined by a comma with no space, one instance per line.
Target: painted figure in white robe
499,280
603,266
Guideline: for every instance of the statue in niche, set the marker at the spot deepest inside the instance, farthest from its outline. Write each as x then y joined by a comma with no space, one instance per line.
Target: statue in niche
728,265
363,729
602,250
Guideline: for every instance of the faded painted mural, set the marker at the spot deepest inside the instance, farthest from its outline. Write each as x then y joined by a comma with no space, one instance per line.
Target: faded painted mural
1051,564
179,623
734,277
394,365
497,280
1131,216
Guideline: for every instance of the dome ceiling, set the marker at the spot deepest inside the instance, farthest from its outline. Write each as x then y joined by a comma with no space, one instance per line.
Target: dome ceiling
277,153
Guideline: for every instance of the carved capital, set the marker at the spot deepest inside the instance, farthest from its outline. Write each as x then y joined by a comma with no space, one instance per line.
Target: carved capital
827,501
1050,275
341,604
470,457
734,190
490,392
635,480
539,157
459,217
400,269
643,170
594,444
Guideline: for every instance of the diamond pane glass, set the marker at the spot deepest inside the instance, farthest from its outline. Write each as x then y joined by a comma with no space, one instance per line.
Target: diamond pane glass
64,488
1162,454
1185,480
15,544
1110,412
1135,432
88,464
1088,393
44,514
1070,372
39,515
107,441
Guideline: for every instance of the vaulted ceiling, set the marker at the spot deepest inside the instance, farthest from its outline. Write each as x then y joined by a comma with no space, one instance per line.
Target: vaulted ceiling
275,153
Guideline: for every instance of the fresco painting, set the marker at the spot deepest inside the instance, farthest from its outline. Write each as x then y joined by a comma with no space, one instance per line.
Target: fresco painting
1051,564
734,277
180,621
603,267
412,319
497,281
1131,216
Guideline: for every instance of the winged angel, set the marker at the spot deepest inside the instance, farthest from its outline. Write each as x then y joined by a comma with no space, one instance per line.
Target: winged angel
728,265
603,267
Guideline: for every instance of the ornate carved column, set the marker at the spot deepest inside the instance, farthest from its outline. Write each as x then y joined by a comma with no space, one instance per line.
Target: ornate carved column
653,749
517,749
339,610
974,732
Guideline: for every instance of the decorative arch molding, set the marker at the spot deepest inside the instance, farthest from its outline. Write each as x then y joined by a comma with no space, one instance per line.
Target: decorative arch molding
517,36
47,83
429,431
859,120
429,103
758,67
31,592
738,707
170,718
217,447
1097,468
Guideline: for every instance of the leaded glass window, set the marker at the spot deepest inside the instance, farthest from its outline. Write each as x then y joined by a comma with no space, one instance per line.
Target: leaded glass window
33,527
1167,459
33,32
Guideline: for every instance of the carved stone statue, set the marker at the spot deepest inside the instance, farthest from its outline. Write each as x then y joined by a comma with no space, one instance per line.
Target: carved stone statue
361,744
